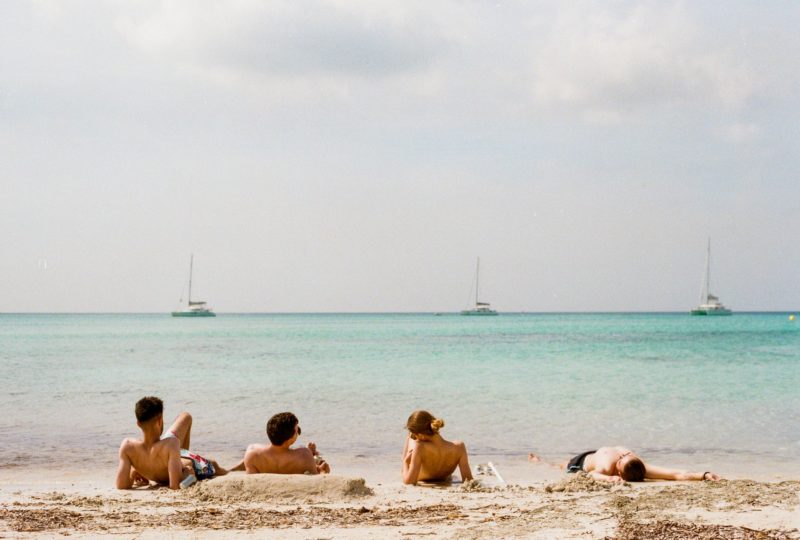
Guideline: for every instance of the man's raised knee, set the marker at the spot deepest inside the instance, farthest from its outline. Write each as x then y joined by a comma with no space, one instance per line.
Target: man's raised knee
185,417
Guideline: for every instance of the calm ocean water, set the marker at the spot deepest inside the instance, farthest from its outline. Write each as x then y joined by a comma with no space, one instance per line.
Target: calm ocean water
670,385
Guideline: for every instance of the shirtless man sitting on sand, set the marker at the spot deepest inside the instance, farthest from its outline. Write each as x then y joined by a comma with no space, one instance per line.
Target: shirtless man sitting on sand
427,456
164,459
279,457
619,464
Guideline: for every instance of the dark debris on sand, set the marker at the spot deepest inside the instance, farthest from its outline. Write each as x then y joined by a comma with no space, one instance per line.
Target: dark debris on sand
671,530
38,520
55,519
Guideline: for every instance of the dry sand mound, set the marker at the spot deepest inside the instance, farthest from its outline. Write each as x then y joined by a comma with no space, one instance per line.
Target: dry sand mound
240,487
578,482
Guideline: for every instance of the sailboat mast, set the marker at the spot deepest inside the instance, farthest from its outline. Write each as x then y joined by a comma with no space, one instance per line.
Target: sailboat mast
704,292
708,269
191,263
477,279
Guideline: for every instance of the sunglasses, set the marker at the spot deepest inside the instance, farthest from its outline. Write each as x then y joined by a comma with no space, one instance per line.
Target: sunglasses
299,431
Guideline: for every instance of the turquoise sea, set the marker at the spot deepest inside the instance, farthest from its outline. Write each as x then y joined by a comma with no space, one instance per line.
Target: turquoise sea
674,387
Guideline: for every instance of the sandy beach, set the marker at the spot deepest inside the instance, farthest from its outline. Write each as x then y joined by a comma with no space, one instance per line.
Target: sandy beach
536,502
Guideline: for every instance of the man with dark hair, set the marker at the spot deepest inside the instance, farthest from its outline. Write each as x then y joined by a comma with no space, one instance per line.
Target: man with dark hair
279,457
620,464
162,457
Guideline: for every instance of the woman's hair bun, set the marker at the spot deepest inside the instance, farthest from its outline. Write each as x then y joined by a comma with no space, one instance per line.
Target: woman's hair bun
437,424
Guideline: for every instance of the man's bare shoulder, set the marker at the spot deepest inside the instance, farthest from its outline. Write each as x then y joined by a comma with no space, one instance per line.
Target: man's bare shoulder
256,448
256,458
303,460
168,444
129,445
302,452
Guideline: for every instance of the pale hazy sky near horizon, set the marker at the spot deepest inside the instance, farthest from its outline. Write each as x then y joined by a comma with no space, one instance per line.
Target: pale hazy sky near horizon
358,156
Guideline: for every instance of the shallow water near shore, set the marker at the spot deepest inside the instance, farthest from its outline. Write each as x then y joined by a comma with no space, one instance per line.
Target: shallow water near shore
716,393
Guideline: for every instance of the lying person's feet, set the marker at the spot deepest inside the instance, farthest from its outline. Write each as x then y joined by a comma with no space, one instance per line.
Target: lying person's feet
533,458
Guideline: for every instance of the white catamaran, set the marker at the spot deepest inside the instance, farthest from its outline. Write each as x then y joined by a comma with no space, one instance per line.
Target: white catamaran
709,304
193,308
481,308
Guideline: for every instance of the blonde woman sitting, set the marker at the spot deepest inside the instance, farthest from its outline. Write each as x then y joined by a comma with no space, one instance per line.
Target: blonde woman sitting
427,457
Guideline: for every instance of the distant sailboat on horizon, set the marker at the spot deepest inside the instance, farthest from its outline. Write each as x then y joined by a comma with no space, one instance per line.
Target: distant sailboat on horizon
709,304
193,308
481,308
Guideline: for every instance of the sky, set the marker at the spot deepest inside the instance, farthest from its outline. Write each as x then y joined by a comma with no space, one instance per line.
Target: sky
359,156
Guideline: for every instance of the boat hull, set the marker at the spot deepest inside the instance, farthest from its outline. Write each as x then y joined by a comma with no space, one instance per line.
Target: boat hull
471,313
711,312
193,314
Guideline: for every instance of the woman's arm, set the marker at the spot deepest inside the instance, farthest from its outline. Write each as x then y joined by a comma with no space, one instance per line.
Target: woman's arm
412,462
463,463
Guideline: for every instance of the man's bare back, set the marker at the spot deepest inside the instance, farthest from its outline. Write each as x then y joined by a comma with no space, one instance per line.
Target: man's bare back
152,462
267,458
279,457
162,459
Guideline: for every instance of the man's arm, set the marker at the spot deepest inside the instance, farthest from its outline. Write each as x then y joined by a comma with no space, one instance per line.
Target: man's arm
249,461
124,470
463,463
606,477
174,465
662,473
306,462
412,463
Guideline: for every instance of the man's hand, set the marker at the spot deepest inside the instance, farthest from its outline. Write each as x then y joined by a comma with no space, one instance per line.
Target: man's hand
323,467
138,480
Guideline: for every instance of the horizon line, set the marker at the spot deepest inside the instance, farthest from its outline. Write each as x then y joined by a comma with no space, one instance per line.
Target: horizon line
569,312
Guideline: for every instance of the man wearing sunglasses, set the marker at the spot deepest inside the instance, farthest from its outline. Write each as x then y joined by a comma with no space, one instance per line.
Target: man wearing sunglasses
279,457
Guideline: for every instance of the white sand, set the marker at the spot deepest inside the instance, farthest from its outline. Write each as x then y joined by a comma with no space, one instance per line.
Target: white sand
56,503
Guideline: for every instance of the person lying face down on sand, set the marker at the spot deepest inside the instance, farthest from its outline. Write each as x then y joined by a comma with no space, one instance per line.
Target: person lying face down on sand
427,456
279,457
619,464
163,458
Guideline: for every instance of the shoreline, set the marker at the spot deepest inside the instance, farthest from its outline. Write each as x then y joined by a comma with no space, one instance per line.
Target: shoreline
385,468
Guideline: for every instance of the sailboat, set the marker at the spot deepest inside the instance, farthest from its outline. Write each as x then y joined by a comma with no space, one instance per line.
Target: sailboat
709,304
194,308
481,308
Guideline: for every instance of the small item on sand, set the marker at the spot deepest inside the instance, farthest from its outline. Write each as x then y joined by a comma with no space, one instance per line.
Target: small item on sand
188,481
490,474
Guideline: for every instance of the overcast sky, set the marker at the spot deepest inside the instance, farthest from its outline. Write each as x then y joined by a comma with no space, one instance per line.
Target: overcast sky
359,156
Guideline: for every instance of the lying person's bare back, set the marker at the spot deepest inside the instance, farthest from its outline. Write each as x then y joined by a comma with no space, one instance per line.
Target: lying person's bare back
279,457
429,457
